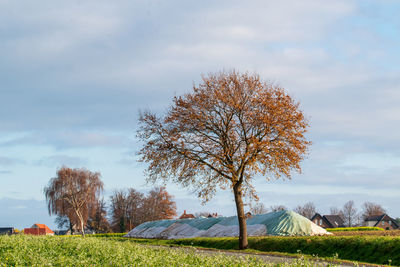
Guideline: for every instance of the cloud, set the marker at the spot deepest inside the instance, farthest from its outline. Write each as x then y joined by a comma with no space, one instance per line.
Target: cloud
69,139
62,160
7,161
75,74
22,213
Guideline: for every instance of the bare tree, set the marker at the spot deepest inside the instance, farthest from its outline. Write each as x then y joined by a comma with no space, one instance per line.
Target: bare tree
119,211
335,211
98,218
135,208
277,208
258,208
370,209
73,190
307,210
349,213
63,221
229,128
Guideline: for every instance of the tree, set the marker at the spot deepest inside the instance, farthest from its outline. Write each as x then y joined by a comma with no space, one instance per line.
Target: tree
72,192
258,208
63,221
129,208
370,209
277,208
159,205
307,210
119,211
97,218
229,128
349,213
335,211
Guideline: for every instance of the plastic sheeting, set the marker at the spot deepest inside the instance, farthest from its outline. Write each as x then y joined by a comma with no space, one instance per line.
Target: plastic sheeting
280,223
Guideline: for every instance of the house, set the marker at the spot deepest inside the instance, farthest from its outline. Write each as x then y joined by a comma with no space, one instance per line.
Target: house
214,215
38,229
6,230
186,215
383,221
328,221
62,232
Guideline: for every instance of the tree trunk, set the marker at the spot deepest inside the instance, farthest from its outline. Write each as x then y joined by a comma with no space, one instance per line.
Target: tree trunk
80,217
82,227
237,190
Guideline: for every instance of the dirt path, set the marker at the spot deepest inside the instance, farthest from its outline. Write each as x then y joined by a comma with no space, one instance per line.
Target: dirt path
268,258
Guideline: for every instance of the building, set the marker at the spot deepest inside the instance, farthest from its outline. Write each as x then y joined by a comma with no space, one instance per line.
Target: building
6,230
38,229
383,221
328,221
186,215
214,215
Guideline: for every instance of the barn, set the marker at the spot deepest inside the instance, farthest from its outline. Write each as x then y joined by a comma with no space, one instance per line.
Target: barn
38,229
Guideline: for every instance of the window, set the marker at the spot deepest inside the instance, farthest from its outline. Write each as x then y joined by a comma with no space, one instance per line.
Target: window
390,222
320,222
383,222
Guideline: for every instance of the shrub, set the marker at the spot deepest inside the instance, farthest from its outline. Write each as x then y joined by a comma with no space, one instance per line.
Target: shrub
363,228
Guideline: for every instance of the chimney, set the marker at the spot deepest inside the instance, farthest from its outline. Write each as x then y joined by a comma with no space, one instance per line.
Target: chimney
184,212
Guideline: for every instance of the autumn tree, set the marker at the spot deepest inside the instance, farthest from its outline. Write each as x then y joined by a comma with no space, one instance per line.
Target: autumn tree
229,128
307,210
349,213
258,208
129,208
126,209
72,192
370,209
159,205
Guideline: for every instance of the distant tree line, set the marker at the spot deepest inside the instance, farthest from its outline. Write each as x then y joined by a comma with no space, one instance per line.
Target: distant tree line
74,196
349,213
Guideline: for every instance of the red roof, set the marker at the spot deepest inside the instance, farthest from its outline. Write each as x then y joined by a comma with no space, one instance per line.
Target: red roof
43,226
186,215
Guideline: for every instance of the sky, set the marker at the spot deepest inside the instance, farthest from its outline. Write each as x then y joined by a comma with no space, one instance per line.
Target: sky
75,74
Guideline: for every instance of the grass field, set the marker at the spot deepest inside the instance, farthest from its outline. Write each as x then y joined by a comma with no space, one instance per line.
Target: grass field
23,250
371,249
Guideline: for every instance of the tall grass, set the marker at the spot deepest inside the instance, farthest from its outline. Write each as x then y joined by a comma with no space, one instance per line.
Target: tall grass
23,250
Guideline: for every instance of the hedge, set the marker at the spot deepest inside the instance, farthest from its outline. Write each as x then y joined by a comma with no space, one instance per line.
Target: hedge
379,250
363,228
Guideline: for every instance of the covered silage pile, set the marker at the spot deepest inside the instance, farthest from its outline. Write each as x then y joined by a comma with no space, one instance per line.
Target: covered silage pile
280,223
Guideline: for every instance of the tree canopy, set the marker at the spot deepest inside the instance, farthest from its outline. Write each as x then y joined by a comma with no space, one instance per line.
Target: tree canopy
72,193
229,128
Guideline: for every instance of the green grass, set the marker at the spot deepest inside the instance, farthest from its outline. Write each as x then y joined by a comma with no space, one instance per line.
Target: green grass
24,250
363,228
107,235
372,249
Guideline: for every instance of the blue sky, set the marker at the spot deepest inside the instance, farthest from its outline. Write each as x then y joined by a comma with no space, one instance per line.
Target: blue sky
74,75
